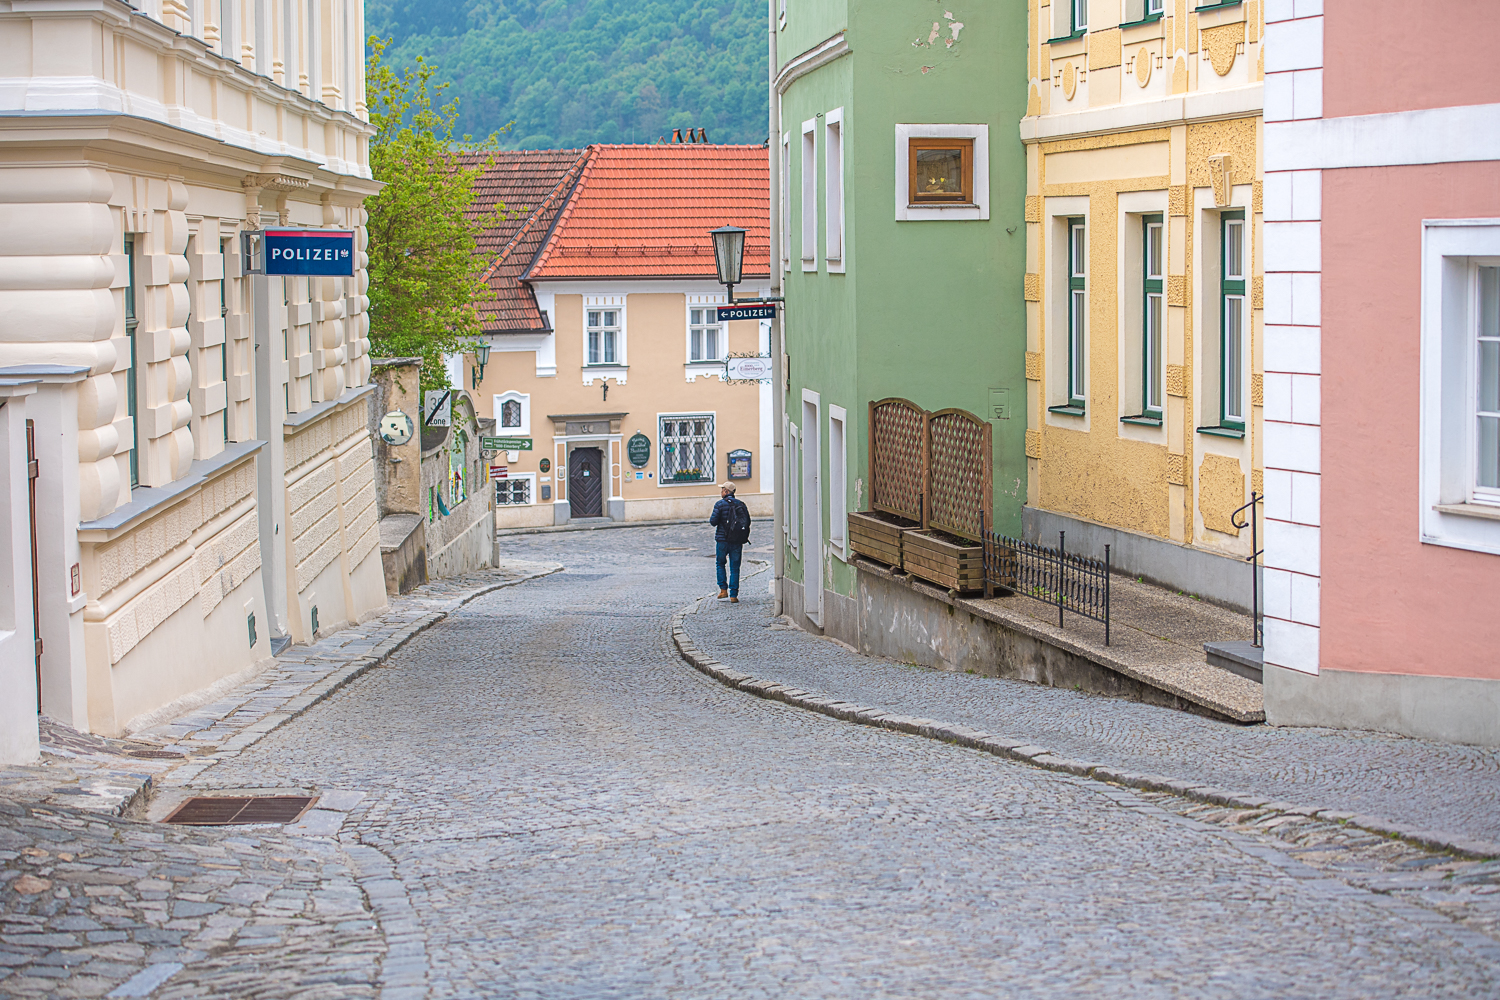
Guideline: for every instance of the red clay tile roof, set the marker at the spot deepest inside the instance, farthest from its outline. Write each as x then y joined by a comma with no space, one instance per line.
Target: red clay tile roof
646,211
533,185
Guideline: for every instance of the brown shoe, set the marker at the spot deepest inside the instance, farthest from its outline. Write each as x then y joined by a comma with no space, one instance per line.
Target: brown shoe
734,600
723,594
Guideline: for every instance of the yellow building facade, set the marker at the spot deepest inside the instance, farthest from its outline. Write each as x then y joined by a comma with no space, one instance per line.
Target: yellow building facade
1144,283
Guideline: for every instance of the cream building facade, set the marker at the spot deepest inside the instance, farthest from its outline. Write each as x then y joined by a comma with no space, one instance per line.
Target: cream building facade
205,464
1144,283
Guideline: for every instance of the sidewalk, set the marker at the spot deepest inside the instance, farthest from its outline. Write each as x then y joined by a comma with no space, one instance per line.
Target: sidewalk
119,776
1438,794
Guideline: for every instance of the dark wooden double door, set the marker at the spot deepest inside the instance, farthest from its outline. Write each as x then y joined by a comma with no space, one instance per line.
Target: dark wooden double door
586,483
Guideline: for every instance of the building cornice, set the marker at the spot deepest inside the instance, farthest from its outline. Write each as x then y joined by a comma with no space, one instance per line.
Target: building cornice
1211,105
816,57
1463,134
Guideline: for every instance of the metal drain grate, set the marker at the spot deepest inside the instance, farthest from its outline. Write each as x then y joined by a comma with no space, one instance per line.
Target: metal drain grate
238,810
155,754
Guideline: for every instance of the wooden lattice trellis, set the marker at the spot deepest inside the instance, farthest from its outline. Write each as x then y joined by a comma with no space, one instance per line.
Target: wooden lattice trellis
898,457
959,497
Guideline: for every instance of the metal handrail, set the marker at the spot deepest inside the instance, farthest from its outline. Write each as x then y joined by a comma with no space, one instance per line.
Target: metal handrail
1255,553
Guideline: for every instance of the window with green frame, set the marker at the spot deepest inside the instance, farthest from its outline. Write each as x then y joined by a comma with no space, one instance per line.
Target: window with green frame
1079,20
1154,311
131,322
1077,310
1233,320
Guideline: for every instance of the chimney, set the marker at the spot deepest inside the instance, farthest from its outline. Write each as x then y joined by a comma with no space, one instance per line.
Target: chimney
702,135
677,135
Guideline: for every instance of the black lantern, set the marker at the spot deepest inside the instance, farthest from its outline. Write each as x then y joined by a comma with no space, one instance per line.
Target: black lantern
481,358
729,255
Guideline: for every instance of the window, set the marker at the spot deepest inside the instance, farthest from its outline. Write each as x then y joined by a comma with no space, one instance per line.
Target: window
512,414
1153,318
786,201
1077,308
131,381
1080,15
1233,319
809,199
686,449
604,336
226,30
940,171
838,506
792,509
515,491
833,185
1153,7
705,335
1484,396
224,344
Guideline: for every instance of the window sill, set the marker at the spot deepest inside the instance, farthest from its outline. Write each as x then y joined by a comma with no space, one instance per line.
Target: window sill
942,204
684,482
605,364
1067,411
1142,419
1148,19
1226,432
1216,6
1073,36
148,500
1480,510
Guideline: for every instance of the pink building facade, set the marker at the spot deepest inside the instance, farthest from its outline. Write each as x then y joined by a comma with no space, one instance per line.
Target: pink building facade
1382,367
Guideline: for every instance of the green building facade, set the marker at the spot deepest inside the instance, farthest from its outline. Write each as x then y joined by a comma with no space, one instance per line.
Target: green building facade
903,252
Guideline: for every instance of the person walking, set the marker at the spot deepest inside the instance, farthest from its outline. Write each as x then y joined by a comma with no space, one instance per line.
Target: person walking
731,521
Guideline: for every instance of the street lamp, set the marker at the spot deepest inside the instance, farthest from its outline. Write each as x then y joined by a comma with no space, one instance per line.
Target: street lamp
481,358
729,256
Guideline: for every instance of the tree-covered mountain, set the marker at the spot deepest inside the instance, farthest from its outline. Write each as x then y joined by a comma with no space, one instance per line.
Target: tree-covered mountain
572,72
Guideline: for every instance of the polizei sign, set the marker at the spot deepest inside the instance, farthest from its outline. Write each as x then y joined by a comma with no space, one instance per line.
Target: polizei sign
327,253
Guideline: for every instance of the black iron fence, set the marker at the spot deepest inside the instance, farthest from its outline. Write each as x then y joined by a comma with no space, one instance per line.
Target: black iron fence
1079,584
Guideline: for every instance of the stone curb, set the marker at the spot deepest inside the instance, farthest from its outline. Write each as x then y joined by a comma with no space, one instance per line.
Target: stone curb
1024,752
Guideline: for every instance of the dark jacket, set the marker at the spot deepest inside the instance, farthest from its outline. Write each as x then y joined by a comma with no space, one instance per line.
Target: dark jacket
720,517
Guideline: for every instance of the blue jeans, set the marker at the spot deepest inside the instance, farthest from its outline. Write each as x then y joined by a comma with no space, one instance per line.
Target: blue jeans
728,550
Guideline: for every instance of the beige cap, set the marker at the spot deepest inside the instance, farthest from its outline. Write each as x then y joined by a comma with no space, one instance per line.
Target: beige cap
727,486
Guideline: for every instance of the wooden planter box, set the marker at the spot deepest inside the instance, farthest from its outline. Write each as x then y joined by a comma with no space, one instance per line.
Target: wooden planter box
936,559
877,536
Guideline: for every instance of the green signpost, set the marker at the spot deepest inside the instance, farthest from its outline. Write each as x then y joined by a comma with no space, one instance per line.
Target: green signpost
505,444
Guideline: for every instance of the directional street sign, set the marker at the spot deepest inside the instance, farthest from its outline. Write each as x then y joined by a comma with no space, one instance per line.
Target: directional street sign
727,313
505,444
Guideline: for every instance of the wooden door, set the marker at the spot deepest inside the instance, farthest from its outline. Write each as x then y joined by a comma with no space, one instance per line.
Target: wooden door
586,483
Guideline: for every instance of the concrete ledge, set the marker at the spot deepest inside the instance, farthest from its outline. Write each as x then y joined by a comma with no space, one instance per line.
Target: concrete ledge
1450,709
1021,751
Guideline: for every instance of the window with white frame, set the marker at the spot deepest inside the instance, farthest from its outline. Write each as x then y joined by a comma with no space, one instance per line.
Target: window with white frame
809,197
1154,312
705,334
604,336
512,414
838,466
686,449
786,201
1080,15
833,185
1234,319
515,491
1460,391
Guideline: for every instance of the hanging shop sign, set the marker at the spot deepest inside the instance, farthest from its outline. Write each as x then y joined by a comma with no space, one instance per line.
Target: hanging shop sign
505,444
727,313
748,369
739,464
638,448
437,407
326,253
499,472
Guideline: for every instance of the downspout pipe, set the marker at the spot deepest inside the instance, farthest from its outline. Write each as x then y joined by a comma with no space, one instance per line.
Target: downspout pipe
778,375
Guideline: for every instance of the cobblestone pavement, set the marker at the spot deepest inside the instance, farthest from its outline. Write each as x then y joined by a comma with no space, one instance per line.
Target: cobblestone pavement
536,799
1416,783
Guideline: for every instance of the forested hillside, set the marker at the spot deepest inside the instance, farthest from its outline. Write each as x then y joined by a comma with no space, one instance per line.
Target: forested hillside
572,72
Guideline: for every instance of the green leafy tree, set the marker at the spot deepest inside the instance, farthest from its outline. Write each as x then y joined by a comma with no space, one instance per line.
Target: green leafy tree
425,279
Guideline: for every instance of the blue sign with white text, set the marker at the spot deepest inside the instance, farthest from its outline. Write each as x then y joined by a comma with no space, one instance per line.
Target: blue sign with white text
326,253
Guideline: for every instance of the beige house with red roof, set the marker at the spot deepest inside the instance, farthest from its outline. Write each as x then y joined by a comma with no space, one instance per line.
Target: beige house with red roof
605,346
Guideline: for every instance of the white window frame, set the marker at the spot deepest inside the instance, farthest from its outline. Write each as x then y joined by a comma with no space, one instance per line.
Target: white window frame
1154,7
786,201
661,449
1451,251
833,190
512,477
603,338
980,209
1078,15
510,395
597,303
838,480
809,196
721,330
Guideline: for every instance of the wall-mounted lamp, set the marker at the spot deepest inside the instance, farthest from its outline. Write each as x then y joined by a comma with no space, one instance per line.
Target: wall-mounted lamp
729,256
481,358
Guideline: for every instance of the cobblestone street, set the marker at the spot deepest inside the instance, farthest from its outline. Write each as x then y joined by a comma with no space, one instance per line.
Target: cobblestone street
537,798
